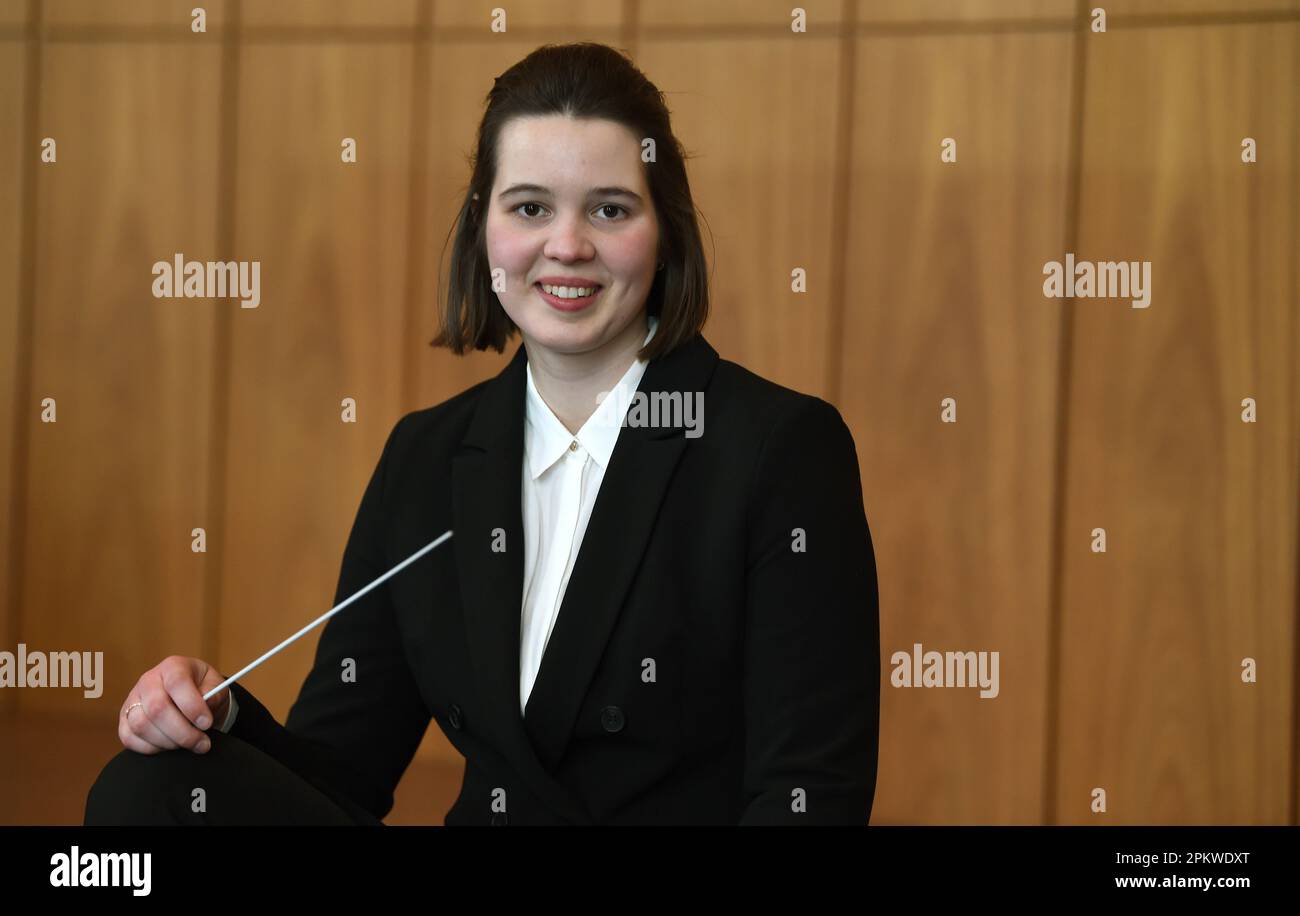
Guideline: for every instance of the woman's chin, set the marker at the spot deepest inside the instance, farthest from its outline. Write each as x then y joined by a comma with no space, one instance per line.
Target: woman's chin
580,332
563,336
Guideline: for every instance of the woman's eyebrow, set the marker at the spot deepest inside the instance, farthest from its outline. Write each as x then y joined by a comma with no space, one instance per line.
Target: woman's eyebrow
609,191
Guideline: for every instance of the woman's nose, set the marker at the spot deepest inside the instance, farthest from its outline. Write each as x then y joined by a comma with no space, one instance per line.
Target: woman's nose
568,240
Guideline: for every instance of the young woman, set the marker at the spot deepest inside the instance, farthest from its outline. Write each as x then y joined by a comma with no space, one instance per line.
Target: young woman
659,603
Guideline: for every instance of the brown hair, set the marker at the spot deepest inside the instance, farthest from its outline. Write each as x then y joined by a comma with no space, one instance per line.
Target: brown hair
581,80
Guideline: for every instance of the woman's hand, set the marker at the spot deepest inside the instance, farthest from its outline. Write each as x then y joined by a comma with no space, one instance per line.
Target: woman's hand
166,710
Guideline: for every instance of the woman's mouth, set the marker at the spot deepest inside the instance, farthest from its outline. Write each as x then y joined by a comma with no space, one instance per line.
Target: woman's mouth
568,298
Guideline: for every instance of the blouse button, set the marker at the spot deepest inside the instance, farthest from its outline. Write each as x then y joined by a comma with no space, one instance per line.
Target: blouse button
573,446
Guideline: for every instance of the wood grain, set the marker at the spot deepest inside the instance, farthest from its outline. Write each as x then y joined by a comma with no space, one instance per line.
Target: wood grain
943,300
15,147
762,172
330,237
115,487
1199,508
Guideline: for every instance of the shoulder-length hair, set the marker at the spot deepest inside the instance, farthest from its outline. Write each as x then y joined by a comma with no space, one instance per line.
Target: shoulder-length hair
581,80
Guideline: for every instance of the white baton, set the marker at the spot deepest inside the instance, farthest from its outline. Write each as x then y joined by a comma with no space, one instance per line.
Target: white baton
327,615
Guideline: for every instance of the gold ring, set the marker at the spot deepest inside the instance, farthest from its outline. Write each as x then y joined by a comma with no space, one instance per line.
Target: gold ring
127,712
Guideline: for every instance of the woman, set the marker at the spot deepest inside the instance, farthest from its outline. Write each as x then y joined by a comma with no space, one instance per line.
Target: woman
699,644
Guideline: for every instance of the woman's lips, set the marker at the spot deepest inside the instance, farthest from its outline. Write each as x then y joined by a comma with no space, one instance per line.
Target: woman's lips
568,305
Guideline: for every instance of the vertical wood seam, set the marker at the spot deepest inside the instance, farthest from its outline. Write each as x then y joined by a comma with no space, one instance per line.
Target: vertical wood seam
1065,338
219,469
33,44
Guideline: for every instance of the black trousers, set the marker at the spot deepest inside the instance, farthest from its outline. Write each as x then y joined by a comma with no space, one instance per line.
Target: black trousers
241,785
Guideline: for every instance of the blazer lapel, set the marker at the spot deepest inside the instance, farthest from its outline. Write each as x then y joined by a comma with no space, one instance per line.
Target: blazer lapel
487,476
486,479
618,530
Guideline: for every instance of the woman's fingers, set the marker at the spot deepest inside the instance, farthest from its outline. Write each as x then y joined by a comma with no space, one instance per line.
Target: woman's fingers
166,709
138,724
164,714
130,740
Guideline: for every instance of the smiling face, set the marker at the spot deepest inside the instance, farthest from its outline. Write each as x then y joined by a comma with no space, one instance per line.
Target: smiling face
584,218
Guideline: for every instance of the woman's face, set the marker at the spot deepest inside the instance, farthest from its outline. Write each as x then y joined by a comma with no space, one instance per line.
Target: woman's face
585,220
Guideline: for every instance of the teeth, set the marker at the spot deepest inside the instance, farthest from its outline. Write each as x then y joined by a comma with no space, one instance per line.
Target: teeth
569,292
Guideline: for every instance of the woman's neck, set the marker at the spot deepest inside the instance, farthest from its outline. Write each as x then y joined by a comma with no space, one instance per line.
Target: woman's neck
570,382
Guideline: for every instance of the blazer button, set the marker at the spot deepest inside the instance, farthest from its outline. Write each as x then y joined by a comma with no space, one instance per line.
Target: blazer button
611,719
499,819
453,716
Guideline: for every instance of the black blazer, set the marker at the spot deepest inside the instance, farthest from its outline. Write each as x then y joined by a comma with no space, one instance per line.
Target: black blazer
703,668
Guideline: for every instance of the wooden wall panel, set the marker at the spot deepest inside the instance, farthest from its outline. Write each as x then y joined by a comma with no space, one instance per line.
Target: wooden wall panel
13,12
562,17
943,300
16,151
459,77
133,13
1199,508
331,239
684,16
331,13
1119,10
763,178
961,11
116,485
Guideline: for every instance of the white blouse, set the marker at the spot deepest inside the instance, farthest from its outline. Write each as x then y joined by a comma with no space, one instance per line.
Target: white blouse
562,475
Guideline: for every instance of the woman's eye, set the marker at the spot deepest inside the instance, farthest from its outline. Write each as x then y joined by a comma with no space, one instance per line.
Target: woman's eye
602,209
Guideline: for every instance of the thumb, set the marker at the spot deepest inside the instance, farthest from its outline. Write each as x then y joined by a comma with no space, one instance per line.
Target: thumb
208,677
